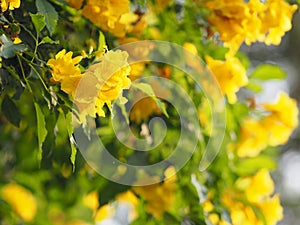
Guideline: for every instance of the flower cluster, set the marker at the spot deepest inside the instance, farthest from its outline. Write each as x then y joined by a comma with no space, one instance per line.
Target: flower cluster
109,15
241,21
272,129
102,83
252,198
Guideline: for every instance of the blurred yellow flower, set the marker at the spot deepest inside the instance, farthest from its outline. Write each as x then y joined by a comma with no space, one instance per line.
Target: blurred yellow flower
11,4
250,21
257,191
159,197
21,200
257,187
230,74
284,109
272,210
91,200
76,4
253,138
110,15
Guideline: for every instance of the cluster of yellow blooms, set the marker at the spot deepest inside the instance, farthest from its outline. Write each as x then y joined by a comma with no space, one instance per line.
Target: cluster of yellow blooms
240,21
102,82
21,200
251,198
110,15
272,130
9,4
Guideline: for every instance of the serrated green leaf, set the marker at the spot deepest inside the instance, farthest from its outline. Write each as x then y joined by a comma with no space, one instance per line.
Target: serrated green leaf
41,127
268,72
8,49
10,111
49,12
48,40
38,21
147,89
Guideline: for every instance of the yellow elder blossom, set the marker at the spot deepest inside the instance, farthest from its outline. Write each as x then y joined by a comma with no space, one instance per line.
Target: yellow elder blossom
159,197
102,83
110,15
21,200
273,129
230,74
11,4
250,21
64,69
256,190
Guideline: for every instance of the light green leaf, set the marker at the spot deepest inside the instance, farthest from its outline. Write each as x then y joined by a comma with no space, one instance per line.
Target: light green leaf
254,86
41,127
48,40
38,21
8,49
147,89
102,43
251,165
49,12
71,139
268,72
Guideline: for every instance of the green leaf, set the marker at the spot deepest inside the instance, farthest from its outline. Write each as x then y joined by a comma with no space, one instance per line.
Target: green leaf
48,40
102,43
268,72
41,127
8,49
49,12
254,86
147,89
38,21
10,111
71,139
251,165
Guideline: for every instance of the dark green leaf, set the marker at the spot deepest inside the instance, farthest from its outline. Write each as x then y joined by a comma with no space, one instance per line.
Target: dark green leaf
38,21
268,72
8,49
10,111
41,127
49,12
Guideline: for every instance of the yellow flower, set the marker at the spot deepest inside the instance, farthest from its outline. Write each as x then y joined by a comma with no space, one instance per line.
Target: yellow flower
91,201
159,197
110,15
250,21
253,138
284,109
21,200
102,83
11,4
104,212
272,210
64,69
230,74
257,187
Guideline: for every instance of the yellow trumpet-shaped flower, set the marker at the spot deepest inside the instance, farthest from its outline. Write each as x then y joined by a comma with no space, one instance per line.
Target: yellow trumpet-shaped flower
230,74
21,200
